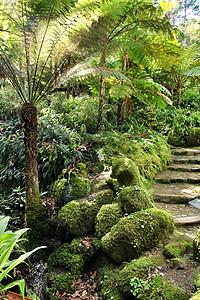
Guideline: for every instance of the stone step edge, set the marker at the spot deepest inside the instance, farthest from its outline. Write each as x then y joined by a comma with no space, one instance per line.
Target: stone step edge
170,198
187,220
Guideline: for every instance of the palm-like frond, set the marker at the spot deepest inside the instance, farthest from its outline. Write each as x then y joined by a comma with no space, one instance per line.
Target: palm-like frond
43,30
192,72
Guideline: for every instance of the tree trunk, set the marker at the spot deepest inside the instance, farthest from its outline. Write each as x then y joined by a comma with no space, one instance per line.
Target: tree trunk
179,95
34,208
102,86
120,102
108,111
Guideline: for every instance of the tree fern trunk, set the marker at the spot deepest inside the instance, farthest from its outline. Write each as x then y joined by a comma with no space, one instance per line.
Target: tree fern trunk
34,208
120,102
102,86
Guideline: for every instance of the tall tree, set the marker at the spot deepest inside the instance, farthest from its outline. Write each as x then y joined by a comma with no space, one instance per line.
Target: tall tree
37,29
116,19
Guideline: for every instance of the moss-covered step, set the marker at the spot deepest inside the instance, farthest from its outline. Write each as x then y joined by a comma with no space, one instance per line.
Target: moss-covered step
185,151
189,159
168,176
184,167
175,192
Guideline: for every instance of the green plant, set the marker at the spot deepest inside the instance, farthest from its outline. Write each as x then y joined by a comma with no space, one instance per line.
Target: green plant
9,240
14,207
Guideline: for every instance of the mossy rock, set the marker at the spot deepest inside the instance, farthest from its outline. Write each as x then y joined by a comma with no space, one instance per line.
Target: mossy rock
78,217
107,217
177,263
160,288
138,232
108,285
113,185
81,169
174,250
79,187
63,258
196,247
197,280
196,296
194,137
58,282
60,186
126,172
104,197
139,268
175,139
134,198
86,247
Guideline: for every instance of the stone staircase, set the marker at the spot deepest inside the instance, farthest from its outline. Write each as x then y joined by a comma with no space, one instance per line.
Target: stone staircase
179,184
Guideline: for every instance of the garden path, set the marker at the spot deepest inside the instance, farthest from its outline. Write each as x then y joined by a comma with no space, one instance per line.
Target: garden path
178,185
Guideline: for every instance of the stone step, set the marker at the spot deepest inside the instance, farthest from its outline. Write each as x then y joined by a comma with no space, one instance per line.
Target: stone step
175,192
184,167
192,159
185,151
187,220
168,176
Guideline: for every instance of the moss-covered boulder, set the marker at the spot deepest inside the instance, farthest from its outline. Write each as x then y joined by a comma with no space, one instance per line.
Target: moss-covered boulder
175,139
107,217
86,247
60,186
78,217
194,137
79,187
65,259
113,185
139,268
134,198
104,197
126,172
196,296
177,263
58,282
137,232
175,249
196,247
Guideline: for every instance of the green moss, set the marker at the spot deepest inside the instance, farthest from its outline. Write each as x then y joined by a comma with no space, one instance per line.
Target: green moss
196,296
177,263
137,232
58,191
194,137
197,280
175,139
58,282
139,268
108,285
175,249
126,172
107,217
63,258
196,247
79,187
86,247
81,169
134,198
113,185
160,288
104,197
78,217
